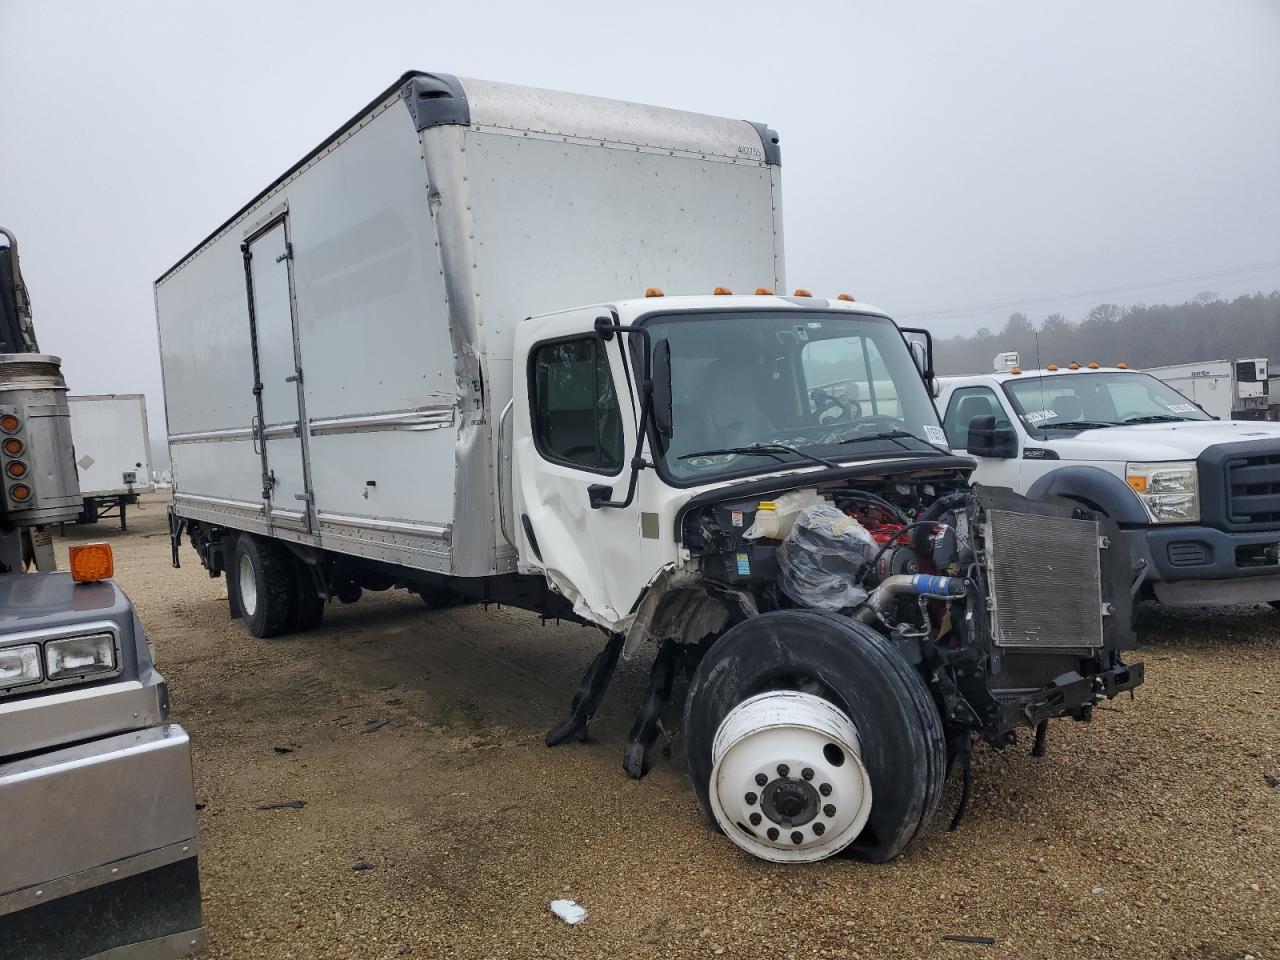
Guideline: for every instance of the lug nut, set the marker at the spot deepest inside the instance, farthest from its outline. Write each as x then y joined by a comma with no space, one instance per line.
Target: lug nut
807,773
797,837
824,789
829,810
819,829
755,819
751,799
761,779
783,770
773,833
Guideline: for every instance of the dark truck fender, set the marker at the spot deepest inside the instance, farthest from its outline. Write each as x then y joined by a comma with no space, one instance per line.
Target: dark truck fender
1096,487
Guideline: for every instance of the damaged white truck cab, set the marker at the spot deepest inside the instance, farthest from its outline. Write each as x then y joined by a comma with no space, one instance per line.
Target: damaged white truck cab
372,381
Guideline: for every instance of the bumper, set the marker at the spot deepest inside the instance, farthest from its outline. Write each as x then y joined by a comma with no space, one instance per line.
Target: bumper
1071,695
101,850
1205,553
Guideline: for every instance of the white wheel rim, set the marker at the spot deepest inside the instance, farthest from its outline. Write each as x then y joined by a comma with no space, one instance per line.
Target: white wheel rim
248,586
787,779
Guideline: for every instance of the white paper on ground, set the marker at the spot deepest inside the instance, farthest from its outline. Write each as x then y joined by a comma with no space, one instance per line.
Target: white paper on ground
568,911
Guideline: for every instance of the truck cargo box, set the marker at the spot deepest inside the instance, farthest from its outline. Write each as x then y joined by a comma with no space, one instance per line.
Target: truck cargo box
112,444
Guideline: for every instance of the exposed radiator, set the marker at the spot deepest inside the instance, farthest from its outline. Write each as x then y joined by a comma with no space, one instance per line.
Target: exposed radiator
1045,580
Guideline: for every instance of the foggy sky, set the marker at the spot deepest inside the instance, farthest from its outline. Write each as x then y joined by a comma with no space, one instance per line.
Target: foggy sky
950,162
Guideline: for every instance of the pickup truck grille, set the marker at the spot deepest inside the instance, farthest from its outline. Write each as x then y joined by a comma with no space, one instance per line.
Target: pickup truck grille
1253,490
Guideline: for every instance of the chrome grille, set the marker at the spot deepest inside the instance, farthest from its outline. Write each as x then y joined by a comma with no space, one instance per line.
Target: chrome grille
1045,580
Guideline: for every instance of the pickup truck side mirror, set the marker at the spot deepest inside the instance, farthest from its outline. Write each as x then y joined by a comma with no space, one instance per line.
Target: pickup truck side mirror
987,440
662,405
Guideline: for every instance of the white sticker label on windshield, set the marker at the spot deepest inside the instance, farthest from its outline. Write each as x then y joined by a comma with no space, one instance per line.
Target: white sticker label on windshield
1182,407
935,435
1038,416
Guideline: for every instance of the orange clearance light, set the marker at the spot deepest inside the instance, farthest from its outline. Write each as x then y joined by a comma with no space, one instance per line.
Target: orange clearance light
1052,366
722,292
1016,371
91,562
9,423
653,292
802,292
20,492
845,296
13,446
1073,365
1122,365
16,469
1094,365
763,292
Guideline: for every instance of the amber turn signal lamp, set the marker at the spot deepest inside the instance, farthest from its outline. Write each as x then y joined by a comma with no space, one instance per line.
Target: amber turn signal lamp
722,292
16,469
20,492
13,446
91,562
9,423
802,292
652,292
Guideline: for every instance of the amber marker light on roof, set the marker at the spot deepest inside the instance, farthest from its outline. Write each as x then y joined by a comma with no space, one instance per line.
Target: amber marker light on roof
91,562
802,292
1052,366
652,292
1122,365
1016,371
1073,365
1094,365
722,292
763,292
845,297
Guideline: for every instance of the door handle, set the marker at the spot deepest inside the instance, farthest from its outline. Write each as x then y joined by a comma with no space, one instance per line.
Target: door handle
256,434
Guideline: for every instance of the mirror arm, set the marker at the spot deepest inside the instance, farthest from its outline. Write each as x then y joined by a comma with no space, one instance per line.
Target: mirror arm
598,493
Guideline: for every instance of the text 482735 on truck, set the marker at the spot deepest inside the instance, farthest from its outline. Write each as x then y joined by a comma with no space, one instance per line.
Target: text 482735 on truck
376,376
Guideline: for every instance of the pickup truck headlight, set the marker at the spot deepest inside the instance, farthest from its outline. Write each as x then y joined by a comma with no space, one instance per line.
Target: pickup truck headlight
1169,490
19,665
80,656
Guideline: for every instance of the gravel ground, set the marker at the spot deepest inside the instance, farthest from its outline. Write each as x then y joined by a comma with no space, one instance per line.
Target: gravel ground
447,831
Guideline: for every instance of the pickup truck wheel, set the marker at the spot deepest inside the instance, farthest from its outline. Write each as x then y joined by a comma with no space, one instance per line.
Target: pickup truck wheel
265,585
808,734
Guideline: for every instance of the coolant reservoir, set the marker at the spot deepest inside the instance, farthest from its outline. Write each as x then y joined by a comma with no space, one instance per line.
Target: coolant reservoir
774,518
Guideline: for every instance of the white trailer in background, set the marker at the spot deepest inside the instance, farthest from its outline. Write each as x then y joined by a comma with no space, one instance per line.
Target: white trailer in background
113,452
1226,389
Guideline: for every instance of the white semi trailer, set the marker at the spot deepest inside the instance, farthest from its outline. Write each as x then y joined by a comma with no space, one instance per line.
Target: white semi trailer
1225,389
113,453
421,358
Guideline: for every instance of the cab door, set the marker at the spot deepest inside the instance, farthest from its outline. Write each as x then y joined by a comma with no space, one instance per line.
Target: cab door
978,400
279,429
574,428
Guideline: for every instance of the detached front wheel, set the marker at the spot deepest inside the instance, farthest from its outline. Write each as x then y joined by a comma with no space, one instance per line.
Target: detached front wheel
808,734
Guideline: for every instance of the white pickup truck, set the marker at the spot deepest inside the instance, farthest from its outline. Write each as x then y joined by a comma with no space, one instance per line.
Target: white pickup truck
1197,498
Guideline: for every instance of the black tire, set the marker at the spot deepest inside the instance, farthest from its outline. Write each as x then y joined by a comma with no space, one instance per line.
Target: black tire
308,606
1275,604
903,742
266,609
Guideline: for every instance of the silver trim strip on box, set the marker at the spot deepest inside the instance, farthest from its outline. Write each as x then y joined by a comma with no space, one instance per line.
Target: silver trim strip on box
419,418
97,876
433,530
201,436
197,500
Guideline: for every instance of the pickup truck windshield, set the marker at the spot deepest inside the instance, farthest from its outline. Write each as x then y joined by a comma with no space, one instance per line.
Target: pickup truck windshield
1075,401
798,388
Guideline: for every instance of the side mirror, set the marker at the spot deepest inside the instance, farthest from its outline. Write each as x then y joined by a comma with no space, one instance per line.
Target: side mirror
987,440
661,374
921,356
920,343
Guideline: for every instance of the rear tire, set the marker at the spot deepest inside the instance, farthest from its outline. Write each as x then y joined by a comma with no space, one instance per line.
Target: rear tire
265,585
903,745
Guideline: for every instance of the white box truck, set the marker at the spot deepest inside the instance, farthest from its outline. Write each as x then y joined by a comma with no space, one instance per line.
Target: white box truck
421,358
1226,389
113,453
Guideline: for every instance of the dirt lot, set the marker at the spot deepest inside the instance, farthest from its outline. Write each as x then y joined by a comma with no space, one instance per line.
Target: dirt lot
1152,832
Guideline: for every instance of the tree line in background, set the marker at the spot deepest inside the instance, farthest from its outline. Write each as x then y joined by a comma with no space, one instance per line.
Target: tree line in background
1203,328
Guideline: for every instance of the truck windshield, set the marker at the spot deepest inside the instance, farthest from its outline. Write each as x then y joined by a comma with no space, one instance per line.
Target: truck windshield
797,387
1081,400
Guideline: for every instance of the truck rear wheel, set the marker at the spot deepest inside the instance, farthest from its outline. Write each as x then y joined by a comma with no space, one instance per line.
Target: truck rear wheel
808,734
265,585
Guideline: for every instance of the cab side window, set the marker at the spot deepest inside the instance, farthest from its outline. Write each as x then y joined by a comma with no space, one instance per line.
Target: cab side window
576,419
967,403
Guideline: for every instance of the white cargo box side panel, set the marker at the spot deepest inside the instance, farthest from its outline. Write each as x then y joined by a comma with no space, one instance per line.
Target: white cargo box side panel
377,359
111,440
